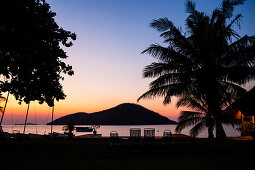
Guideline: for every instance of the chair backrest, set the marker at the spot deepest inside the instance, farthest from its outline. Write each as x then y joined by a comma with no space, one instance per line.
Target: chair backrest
135,133
167,134
149,133
114,134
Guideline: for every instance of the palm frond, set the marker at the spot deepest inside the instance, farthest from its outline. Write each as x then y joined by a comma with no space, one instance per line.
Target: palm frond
162,24
189,114
214,16
236,20
227,7
190,7
186,123
169,78
229,93
239,76
152,93
168,55
241,53
157,69
164,54
197,129
177,89
192,103
166,91
172,35
245,41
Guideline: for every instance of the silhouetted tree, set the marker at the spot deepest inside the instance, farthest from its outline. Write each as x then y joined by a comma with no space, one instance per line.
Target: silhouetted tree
201,117
31,51
204,59
69,129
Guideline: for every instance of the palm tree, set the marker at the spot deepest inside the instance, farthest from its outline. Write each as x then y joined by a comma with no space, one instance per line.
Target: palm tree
201,117
204,59
199,120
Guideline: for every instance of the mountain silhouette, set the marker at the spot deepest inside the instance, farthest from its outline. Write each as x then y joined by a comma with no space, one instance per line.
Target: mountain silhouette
123,114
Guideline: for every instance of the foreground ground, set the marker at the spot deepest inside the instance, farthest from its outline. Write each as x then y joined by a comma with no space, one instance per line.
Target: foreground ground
100,154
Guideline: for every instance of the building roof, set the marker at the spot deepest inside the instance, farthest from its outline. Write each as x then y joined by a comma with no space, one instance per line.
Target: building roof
246,103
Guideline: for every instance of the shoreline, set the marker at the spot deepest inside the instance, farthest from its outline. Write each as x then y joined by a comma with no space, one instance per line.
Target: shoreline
122,130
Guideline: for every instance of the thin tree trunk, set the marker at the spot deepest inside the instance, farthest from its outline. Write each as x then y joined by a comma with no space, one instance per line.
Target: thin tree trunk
26,118
220,133
214,106
210,124
52,119
4,108
210,132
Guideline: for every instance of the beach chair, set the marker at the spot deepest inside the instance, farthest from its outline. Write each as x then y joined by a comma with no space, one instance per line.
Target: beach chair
167,136
135,134
149,134
114,137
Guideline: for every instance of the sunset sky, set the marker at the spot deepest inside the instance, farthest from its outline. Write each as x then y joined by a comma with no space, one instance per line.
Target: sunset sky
106,57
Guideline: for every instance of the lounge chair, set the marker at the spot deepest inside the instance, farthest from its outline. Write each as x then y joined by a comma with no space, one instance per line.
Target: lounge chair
114,137
149,134
167,136
135,134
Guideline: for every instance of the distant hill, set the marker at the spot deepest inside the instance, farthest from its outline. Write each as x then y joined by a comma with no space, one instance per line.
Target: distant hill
123,114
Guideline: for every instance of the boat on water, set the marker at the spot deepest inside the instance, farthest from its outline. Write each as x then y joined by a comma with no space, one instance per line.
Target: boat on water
58,135
84,129
35,136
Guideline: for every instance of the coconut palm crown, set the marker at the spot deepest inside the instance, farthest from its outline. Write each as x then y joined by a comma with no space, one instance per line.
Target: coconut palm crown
210,58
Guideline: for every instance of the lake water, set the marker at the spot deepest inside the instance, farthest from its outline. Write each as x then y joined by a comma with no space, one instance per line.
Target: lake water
105,130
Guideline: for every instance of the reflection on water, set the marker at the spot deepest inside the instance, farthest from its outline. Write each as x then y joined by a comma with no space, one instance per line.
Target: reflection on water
105,130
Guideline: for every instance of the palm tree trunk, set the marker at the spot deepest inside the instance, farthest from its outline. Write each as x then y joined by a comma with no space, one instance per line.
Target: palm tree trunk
4,108
220,133
26,118
210,132
215,108
52,119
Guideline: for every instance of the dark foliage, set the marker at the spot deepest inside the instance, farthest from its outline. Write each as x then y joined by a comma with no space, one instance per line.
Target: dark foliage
245,104
210,58
69,129
201,117
31,51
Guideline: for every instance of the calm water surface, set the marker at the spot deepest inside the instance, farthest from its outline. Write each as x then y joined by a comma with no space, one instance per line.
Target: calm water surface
105,130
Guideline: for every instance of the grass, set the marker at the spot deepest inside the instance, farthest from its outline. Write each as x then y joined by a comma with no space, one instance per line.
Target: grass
100,154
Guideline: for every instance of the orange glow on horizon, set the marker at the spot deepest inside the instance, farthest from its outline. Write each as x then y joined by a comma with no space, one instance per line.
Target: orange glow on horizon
41,114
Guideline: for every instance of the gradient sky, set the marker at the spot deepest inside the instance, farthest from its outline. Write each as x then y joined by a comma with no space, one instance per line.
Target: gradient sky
106,57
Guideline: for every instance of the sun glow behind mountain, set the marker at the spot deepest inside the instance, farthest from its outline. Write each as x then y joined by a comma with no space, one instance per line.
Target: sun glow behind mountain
41,114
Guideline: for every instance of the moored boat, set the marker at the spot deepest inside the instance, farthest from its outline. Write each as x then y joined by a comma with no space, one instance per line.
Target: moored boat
84,129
